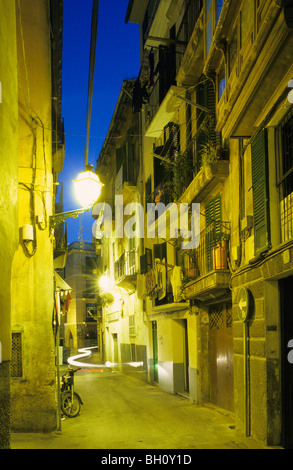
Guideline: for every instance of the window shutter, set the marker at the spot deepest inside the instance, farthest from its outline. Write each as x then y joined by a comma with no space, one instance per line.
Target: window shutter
213,214
160,251
143,264
205,96
130,173
259,160
120,157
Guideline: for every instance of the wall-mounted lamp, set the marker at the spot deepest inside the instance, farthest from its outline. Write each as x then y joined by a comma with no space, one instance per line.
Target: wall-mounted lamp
87,188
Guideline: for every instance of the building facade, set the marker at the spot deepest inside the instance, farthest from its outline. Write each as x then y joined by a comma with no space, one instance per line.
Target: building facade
81,324
33,137
124,330
214,111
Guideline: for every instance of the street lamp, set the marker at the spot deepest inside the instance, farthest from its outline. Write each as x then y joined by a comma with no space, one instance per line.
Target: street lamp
87,188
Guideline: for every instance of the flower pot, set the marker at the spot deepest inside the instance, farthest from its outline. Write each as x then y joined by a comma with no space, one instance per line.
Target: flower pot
220,255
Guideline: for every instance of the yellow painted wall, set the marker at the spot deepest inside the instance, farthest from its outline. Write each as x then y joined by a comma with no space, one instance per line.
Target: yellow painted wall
33,395
8,201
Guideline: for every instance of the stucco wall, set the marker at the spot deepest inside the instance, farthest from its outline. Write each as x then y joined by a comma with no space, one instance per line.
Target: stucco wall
33,394
8,200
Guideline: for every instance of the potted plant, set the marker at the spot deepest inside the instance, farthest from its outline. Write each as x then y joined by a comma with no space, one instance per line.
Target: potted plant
209,151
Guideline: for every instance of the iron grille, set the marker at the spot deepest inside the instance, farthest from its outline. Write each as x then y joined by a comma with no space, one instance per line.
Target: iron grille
216,318
16,355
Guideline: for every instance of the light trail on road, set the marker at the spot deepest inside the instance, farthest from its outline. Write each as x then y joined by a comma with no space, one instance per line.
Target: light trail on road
87,352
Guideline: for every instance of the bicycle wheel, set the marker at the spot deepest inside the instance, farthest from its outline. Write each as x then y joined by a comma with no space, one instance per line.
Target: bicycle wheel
69,407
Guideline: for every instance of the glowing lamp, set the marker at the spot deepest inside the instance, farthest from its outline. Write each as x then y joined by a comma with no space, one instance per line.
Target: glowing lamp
87,188
106,283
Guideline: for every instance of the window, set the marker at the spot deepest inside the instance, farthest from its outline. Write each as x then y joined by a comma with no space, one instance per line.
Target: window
260,175
16,355
213,215
209,24
221,81
131,325
91,312
90,265
241,181
125,156
148,191
284,141
146,263
213,12
90,290
206,96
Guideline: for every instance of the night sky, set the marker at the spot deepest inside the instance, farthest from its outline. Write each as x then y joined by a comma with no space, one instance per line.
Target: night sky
117,59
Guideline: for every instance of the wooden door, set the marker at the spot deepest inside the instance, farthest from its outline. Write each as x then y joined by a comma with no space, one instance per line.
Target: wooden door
286,301
221,356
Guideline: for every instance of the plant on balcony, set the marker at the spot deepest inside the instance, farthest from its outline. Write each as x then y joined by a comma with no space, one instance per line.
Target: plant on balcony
179,172
208,151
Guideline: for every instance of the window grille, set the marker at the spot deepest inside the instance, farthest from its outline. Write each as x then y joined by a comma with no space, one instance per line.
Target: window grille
131,325
16,355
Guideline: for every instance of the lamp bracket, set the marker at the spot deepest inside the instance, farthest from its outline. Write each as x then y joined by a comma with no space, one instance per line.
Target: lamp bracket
57,219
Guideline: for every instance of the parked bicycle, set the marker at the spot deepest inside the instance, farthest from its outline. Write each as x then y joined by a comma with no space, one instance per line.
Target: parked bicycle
70,400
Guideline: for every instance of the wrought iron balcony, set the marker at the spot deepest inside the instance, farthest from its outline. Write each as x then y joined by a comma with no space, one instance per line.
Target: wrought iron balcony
211,274
125,270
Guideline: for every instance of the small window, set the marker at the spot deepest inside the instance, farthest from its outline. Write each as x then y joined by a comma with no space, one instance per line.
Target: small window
16,355
221,81
148,191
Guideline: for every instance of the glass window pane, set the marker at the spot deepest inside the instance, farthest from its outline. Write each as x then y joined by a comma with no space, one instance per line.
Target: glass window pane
222,85
219,8
208,6
209,33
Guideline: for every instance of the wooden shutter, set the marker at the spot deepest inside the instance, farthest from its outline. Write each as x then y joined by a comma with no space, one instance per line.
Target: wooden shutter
120,157
213,214
205,96
259,161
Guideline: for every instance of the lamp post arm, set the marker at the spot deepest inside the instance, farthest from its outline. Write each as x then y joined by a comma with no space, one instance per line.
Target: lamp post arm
57,219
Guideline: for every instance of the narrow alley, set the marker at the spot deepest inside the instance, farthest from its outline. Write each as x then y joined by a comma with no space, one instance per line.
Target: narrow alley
122,412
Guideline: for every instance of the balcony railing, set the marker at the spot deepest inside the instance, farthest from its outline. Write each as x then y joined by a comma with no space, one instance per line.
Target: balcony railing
125,265
210,276
212,252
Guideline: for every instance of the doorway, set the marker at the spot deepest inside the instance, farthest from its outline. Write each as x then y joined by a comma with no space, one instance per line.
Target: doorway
286,303
221,356
185,356
155,350
115,348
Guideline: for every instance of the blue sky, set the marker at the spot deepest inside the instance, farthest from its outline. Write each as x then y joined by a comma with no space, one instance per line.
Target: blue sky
117,59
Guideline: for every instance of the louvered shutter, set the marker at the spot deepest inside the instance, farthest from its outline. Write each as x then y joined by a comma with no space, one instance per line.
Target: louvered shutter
259,161
130,165
120,157
205,96
201,138
213,214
